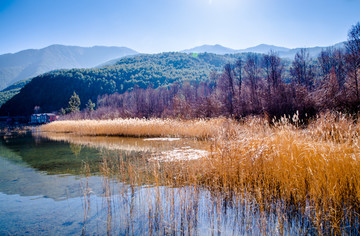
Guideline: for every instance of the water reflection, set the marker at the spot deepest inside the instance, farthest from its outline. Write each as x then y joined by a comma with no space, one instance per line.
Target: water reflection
124,143
46,169
65,184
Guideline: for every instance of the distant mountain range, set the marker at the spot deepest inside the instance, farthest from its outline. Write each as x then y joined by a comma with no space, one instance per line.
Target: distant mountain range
26,64
32,62
17,69
262,48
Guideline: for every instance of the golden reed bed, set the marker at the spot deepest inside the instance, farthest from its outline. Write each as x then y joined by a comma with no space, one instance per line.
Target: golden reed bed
138,127
311,173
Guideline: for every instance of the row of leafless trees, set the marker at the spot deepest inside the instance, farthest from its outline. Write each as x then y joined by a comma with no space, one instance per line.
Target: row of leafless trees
260,84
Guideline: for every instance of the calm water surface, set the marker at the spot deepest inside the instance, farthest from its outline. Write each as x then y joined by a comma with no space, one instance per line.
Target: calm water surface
59,184
46,189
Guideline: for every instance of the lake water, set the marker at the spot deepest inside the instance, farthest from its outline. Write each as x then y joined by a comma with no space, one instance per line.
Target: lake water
61,184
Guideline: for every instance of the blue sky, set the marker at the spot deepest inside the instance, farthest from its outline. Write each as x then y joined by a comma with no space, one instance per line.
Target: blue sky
170,25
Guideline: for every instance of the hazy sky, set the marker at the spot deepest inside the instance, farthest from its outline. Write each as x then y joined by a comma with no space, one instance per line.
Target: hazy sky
172,25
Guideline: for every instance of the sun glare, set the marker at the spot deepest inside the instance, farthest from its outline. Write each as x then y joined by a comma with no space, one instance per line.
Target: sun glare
224,3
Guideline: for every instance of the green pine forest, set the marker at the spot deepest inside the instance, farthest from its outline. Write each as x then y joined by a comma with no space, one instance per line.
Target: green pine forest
51,91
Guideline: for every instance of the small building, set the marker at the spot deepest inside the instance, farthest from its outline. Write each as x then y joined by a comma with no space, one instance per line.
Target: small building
35,119
42,118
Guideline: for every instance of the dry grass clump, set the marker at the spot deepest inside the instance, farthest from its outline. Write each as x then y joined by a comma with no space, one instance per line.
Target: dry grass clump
312,172
138,127
335,127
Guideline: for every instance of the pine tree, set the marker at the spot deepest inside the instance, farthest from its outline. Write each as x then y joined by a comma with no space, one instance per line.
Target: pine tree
90,105
74,103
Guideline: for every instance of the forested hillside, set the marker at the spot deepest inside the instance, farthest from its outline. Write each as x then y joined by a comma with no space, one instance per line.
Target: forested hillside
203,85
253,84
58,56
52,91
9,92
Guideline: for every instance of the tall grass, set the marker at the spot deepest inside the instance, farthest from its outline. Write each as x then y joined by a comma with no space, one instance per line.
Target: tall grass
138,127
306,179
311,172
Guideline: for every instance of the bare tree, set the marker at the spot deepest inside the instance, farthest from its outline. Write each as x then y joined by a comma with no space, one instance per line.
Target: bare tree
273,69
227,90
301,69
326,62
238,75
238,71
333,59
340,66
252,71
353,56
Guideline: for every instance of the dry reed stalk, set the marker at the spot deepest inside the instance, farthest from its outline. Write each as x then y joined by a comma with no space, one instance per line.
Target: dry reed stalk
86,192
